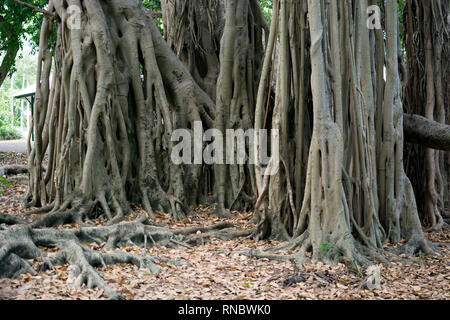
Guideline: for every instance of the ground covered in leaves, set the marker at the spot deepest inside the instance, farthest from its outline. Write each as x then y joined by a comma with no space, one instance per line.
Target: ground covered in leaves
215,271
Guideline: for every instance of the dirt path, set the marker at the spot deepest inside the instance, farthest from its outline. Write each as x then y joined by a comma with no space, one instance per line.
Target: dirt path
16,146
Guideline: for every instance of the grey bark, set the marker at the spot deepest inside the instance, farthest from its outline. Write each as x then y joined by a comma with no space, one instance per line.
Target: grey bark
427,133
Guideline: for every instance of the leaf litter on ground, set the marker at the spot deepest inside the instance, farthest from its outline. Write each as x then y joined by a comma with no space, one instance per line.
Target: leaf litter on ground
214,271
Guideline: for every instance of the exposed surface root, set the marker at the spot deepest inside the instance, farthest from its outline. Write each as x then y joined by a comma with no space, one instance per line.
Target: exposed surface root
223,213
20,243
10,220
14,170
360,257
58,218
417,246
224,235
84,260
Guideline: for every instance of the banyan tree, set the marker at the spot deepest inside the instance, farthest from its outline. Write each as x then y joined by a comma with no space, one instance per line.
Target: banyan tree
328,76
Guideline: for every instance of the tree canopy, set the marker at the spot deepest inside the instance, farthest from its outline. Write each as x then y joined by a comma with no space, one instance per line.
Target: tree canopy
17,24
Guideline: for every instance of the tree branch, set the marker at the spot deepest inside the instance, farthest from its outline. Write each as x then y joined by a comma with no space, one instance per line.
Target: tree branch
8,62
36,9
420,130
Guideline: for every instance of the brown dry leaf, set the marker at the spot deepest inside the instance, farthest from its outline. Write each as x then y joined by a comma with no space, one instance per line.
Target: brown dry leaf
210,272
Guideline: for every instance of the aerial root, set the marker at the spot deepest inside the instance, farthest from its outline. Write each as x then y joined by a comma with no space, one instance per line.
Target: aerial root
417,245
165,202
223,213
291,245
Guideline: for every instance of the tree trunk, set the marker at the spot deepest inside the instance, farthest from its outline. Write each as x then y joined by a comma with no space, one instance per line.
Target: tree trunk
193,30
7,62
106,122
426,92
240,67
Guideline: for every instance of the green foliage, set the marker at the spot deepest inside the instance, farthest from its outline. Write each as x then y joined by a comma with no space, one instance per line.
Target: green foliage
17,25
266,7
4,183
25,74
5,114
358,269
9,133
154,5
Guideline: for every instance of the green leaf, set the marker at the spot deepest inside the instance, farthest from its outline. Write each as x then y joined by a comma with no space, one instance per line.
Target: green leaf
358,269
4,183
326,246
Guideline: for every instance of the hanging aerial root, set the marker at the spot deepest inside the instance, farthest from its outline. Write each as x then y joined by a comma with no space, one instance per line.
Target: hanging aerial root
164,202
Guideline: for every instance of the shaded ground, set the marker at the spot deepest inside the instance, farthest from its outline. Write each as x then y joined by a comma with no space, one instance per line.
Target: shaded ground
215,271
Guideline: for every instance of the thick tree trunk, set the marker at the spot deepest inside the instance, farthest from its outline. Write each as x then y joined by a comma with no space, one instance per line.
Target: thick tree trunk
106,122
108,118
240,67
193,30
